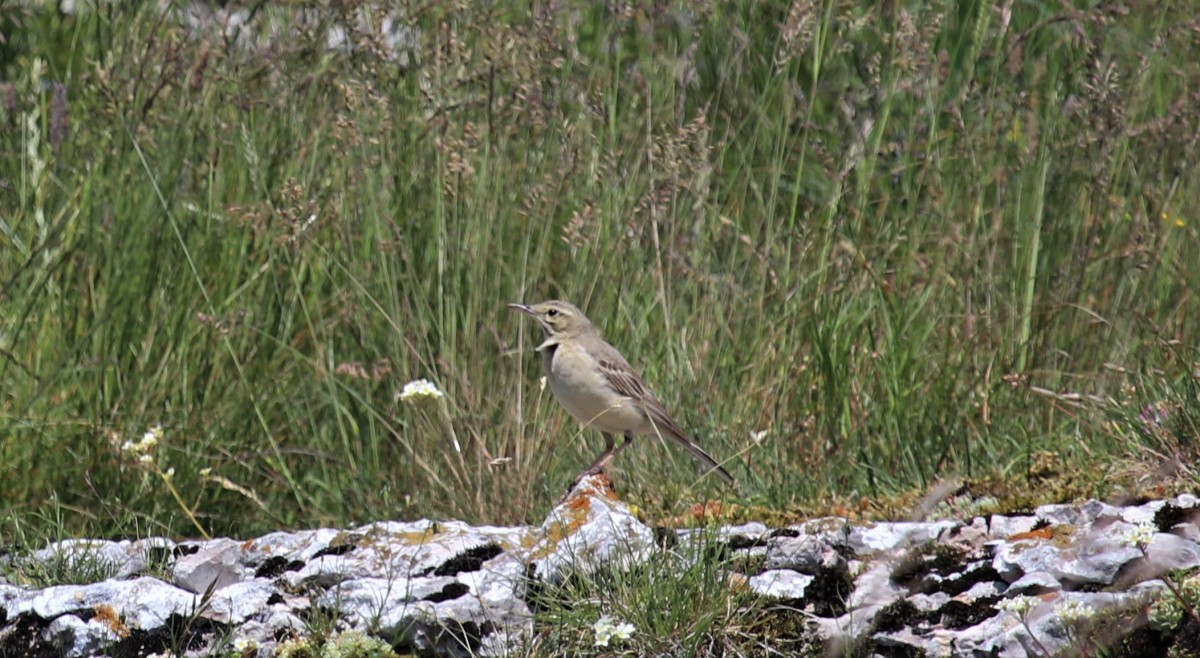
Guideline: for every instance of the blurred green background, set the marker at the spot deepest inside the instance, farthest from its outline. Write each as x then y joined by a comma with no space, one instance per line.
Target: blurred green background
858,248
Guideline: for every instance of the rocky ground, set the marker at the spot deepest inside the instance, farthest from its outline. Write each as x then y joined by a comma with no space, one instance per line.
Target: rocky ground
1068,579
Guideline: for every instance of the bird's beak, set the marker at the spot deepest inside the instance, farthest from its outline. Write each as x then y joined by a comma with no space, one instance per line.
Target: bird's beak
522,308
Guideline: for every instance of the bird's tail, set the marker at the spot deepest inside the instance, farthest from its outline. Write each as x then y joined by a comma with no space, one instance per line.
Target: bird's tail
706,459
665,425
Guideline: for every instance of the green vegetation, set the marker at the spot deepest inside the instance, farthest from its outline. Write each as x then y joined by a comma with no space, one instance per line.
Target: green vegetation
683,602
857,247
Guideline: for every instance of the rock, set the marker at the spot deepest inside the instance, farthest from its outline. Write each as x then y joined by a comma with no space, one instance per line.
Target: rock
408,549
1169,552
1094,558
1077,515
1186,501
241,601
805,554
589,530
73,636
1003,527
1016,559
448,589
886,537
1034,583
1142,513
217,564
874,588
142,603
780,584
986,590
846,630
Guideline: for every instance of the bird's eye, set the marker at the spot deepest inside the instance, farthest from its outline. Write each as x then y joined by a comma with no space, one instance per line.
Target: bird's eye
552,312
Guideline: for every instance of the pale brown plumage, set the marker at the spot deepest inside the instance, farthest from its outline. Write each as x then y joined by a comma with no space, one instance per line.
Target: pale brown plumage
595,383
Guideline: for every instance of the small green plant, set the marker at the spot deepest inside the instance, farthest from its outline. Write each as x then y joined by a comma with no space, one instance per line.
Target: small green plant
681,601
1180,601
346,644
72,562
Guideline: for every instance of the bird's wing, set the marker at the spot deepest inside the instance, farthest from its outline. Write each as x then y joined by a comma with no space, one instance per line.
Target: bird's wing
626,382
623,379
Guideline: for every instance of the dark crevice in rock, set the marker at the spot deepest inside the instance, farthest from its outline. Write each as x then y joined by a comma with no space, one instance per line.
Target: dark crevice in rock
910,571
665,538
968,579
954,615
1145,642
273,567
471,559
828,592
275,599
946,569
741,542
893,651
340,549
160,555
22,638
179,634
783,532
444,639
957,615
448,593
181,550
896,616
1168,516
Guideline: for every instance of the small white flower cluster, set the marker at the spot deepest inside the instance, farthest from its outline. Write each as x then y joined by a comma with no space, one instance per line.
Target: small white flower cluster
1074,611
610,628
1139,536
243,644
1018,606
418,389
143,448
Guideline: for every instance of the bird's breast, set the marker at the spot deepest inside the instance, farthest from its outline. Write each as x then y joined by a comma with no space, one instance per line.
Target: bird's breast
581,388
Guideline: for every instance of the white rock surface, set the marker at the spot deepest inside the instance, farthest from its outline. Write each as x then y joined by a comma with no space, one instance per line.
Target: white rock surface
780,584
448,589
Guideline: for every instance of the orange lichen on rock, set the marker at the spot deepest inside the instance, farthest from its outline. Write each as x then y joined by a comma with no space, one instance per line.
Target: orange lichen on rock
1042,533
107,615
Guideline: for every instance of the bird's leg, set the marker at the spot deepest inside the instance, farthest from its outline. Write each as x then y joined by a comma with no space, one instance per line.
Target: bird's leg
610,450
601,461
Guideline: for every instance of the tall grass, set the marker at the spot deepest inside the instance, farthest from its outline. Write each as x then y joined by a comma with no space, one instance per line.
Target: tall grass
856,248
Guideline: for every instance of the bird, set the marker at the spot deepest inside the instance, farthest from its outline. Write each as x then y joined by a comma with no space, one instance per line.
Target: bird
599,388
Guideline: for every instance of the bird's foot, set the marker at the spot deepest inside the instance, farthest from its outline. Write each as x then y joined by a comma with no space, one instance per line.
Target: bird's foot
579,480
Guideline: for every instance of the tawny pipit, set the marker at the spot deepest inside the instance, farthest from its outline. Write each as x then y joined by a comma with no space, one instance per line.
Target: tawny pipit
598,386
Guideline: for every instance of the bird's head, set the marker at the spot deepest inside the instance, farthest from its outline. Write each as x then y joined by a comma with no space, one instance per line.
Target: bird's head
559,319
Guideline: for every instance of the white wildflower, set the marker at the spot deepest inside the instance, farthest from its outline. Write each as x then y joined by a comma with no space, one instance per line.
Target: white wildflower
146,459
205,472
758,436
420,388
244,644
1072,611
1018,605
610,628
1138,536
146,443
